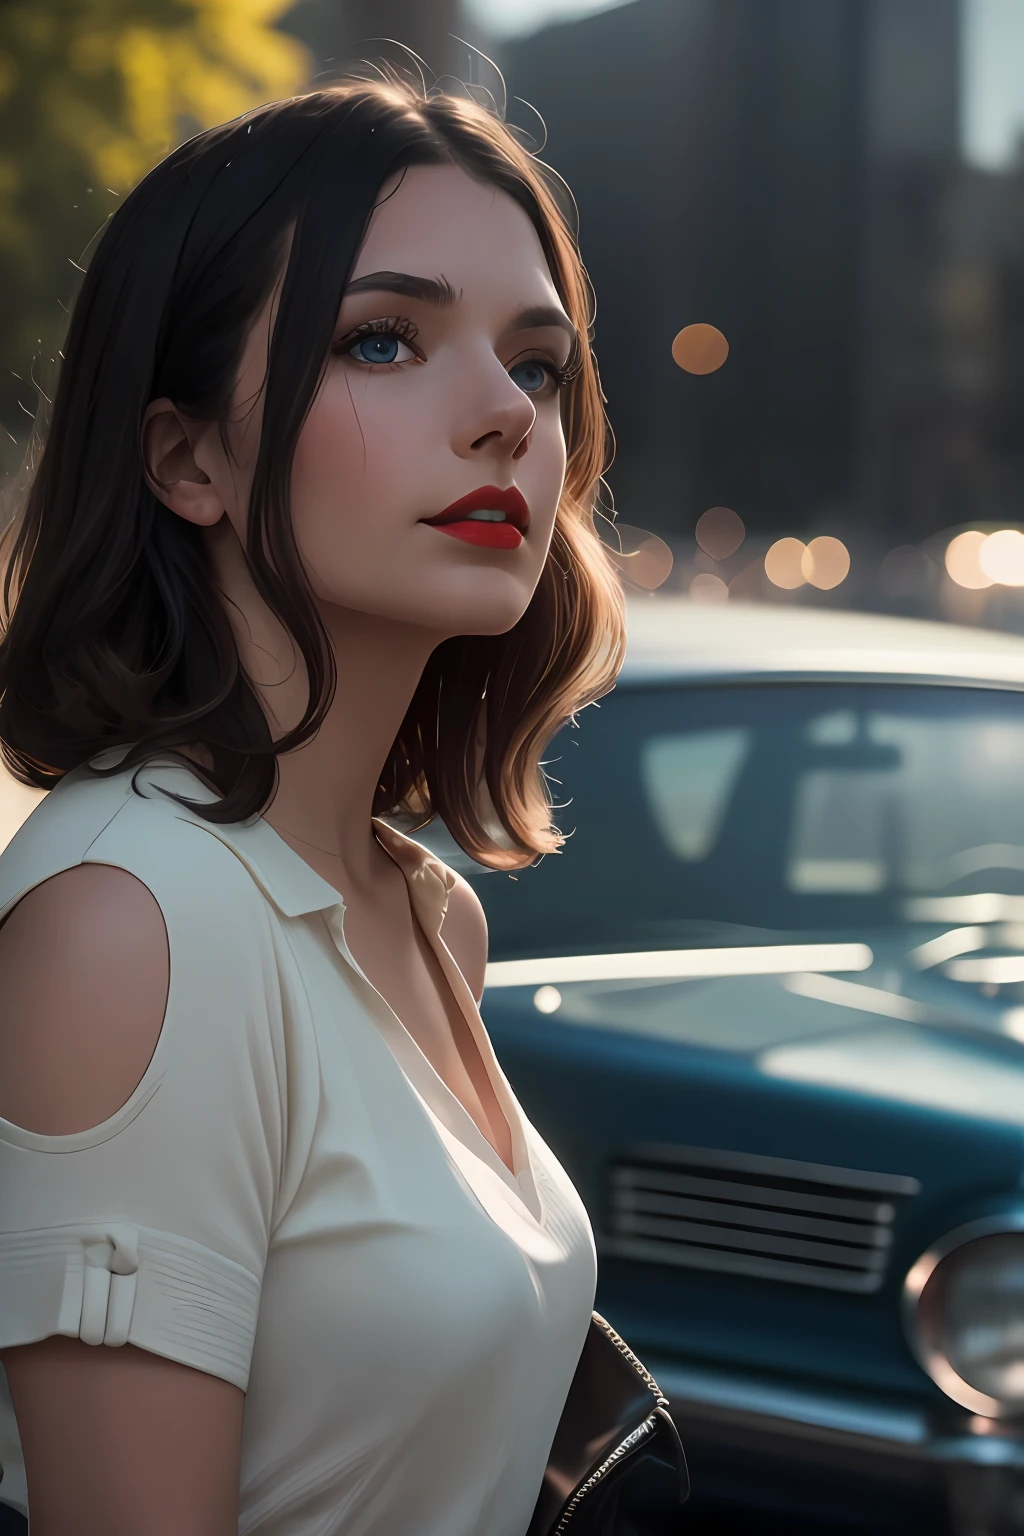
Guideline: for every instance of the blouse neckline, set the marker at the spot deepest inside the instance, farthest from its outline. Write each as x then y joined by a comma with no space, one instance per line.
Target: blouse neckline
429,882
296,890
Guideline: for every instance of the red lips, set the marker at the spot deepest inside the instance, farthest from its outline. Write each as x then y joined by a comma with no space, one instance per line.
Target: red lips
487,499
482,532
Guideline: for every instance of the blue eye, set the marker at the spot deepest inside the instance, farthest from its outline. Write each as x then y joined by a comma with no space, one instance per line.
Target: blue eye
380,348
531,376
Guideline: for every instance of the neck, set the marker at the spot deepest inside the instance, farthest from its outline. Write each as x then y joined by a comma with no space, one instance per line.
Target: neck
326,788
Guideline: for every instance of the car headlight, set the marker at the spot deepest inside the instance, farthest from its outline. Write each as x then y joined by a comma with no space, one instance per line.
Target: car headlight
964,1314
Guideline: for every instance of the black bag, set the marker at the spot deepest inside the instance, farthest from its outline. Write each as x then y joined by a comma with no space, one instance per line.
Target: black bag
615,1419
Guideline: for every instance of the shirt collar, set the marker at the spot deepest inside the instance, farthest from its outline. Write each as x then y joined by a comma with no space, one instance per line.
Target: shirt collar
429,880
284,877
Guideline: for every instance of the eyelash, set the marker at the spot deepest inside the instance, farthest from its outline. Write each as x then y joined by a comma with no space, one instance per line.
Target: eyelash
405,330
559,376
395,325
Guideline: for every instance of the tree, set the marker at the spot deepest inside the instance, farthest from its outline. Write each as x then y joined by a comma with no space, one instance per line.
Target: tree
92,94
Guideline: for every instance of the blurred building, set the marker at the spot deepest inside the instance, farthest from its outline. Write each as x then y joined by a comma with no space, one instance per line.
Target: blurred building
837,186
342,34
713,148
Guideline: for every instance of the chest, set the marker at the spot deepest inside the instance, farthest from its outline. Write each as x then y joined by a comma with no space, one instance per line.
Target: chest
420,1321
393,952
422,1311
398,1216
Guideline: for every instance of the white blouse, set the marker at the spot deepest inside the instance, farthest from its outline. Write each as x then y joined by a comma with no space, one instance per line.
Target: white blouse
294,1201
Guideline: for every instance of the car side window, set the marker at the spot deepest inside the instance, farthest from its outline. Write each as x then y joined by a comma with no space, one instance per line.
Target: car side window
689,778
880,804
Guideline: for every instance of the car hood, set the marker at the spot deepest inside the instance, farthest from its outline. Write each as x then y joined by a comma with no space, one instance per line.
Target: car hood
887,1033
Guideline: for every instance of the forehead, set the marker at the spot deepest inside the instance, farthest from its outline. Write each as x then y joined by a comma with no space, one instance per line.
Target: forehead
437,220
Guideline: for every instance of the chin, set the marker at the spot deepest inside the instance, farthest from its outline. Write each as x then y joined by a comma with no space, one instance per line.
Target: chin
493,617
491,603
490,624
476,619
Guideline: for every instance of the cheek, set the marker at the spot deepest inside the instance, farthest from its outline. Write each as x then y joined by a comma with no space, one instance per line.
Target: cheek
541,471
357,473
332,453
358,446
332,482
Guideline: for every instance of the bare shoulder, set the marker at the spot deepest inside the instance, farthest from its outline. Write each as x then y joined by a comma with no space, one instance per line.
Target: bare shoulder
84,973
465,932
105,1431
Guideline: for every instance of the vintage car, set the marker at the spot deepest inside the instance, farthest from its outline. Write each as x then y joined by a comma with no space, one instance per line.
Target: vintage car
768,1007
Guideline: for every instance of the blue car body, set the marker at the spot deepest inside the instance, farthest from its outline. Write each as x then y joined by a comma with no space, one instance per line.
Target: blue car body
766,1008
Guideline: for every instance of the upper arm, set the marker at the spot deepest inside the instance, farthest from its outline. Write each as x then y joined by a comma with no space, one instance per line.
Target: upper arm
125,1440
464,930
121,1442
83,975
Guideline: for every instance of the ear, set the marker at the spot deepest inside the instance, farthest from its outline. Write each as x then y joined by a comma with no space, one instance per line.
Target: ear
171,470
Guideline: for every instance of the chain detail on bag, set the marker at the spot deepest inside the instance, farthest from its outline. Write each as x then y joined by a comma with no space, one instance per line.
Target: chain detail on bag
630,1443
634,1439
638,1365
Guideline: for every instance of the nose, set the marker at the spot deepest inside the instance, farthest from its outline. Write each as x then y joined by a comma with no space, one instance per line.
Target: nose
497,417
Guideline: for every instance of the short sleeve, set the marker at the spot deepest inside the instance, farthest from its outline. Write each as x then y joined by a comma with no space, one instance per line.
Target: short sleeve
152,1228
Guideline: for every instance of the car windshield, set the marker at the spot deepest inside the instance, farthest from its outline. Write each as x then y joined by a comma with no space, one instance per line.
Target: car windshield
695,811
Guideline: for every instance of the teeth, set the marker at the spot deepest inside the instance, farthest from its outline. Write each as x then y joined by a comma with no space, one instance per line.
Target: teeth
485,515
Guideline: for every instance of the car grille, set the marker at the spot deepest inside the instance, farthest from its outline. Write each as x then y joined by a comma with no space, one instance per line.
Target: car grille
761,1216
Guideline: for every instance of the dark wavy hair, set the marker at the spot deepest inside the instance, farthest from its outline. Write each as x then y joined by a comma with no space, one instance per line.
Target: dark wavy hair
112,630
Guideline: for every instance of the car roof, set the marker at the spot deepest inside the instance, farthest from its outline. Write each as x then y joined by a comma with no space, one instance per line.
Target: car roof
672,638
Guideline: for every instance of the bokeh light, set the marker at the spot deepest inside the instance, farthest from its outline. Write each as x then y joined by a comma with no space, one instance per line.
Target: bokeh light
700,349
642,558
783,564
962,560
825,563
547,999
905,571
1001,557
720,532
748,584
706,588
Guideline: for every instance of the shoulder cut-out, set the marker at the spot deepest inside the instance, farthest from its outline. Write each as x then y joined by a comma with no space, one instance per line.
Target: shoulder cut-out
84,974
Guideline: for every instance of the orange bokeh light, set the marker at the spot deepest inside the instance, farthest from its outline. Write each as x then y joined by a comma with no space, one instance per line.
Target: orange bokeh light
783,564
825,563
700,348
643,558
963,560
1001,557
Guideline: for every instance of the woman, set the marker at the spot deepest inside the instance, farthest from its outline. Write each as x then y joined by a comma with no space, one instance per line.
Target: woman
311,543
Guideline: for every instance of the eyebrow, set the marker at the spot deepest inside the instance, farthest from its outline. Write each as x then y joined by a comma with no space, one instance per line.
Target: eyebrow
439,291
432,290
541,316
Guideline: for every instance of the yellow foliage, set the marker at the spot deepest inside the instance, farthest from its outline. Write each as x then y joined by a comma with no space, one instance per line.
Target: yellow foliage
92,94
179,80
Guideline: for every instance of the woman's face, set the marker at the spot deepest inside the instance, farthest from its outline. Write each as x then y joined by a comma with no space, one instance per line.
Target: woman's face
442,387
